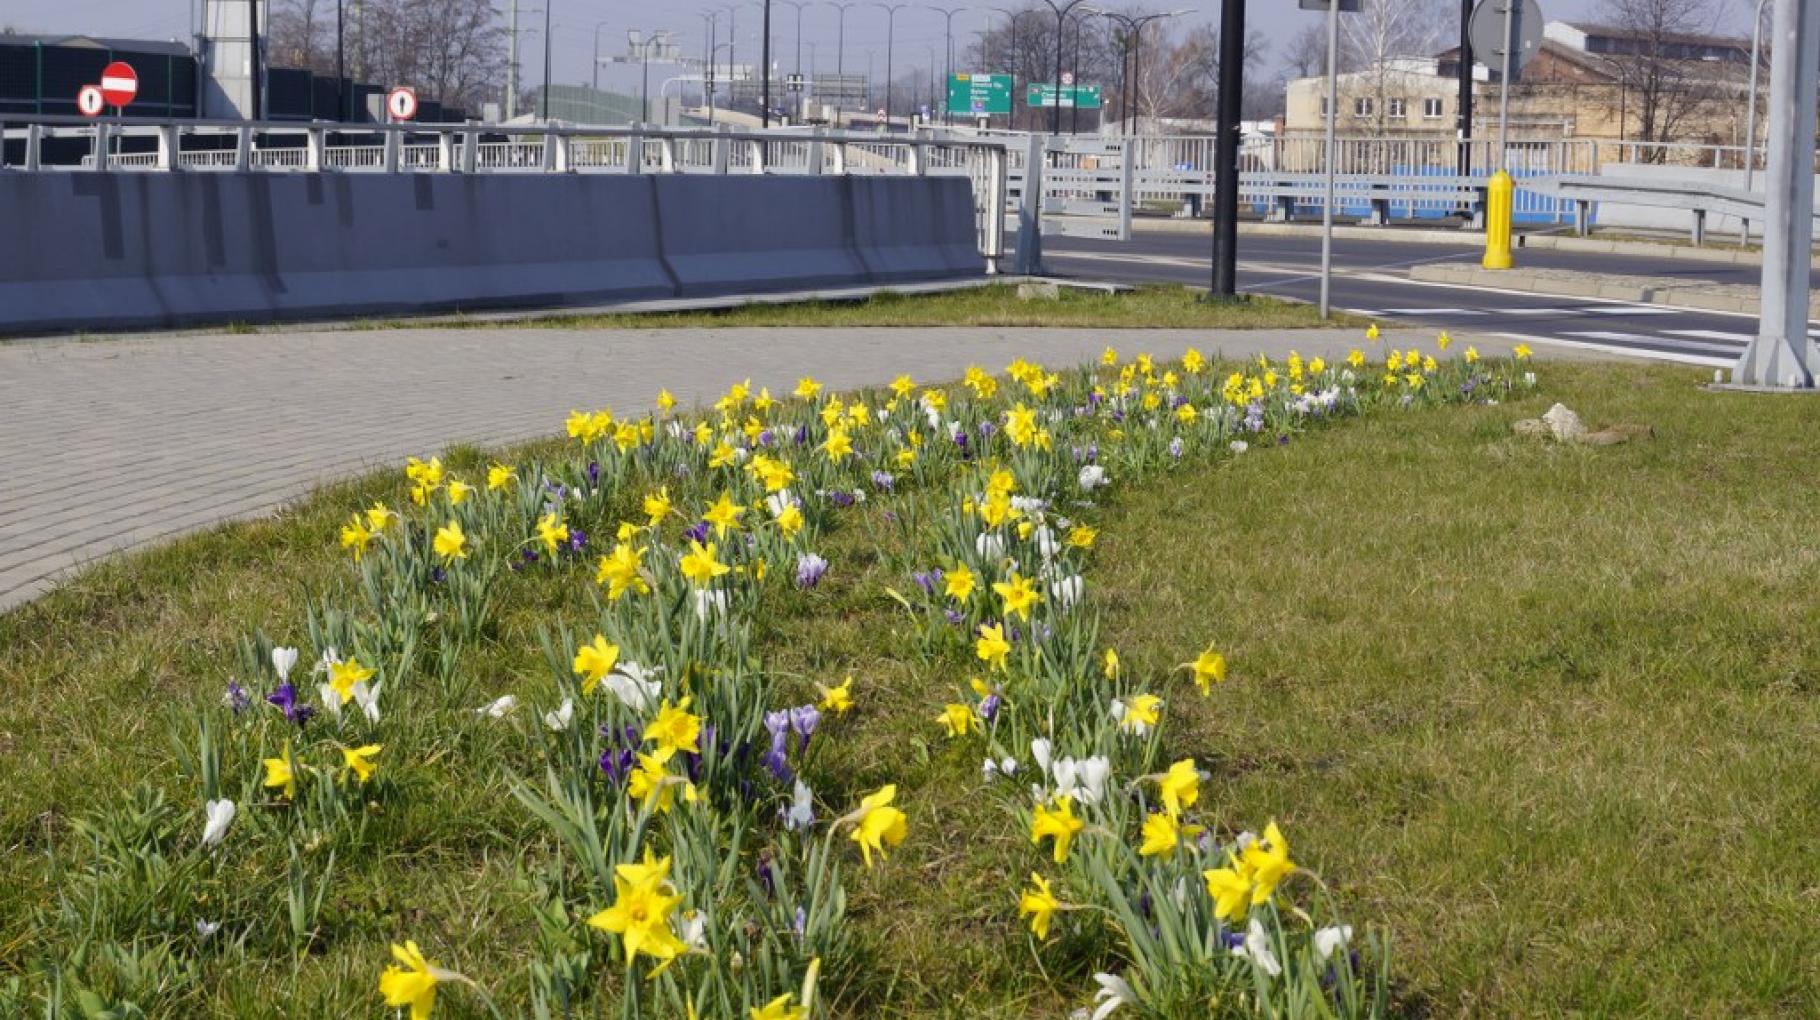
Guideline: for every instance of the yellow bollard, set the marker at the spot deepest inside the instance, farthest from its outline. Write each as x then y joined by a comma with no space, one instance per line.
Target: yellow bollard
1498,199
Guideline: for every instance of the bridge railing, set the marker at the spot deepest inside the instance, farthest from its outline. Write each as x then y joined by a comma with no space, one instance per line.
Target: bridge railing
47,144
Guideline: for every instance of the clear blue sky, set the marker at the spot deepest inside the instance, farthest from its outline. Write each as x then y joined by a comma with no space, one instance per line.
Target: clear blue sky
575,20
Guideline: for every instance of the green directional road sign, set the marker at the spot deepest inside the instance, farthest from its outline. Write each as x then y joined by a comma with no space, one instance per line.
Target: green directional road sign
1087,97
979,95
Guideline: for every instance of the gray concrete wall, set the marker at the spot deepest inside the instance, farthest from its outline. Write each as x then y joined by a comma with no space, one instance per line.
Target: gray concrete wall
136,250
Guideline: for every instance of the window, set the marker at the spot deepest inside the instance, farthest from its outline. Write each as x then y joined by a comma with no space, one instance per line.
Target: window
1323,106
1362,106
1431,109
1399,109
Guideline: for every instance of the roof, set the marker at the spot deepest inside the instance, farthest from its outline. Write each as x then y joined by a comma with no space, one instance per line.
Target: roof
162,48
1690,38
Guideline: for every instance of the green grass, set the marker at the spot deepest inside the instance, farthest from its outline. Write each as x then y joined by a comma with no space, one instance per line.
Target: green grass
1548,714
1159,307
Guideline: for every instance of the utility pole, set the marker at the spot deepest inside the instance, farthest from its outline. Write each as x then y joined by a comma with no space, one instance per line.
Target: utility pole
341,66
1327,161
840,49
1782,355
1226,151
765,119
512,62
890,49
948,14
543,98
252,32
1463,116
1061,17
597,27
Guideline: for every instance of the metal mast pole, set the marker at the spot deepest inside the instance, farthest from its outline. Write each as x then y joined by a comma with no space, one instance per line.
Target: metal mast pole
765,58
1333,108
1226,151
1782,355
512,63
1463,116
1750,129
1510,20
252,39
341,64
543,100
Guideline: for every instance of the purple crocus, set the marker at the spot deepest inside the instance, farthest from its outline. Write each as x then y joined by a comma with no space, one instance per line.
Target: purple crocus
928,580
767,438
698,532
236,697
578,540
1175,448
594,472
285,697
809,570
986,429
777,758
803,720
989,707
883,481
953,616
1254,417
841,498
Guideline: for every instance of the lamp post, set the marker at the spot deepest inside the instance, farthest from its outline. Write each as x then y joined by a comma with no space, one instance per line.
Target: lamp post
1750,120
732,47
765,59
840,47
1226,151
341,67
543,98
1134,45
707,82
890,48
644,77
1061,18
1011,19
948,14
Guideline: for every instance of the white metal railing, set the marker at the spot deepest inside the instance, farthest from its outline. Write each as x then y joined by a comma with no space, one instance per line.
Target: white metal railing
31,144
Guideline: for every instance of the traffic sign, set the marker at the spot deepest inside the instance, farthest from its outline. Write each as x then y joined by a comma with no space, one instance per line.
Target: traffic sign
1487,32
1087,97
1067,77
979,94
119,84
401,103
89,101
793,82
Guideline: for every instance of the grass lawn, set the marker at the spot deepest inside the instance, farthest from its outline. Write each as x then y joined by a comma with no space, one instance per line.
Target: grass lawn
1158,307
1545,716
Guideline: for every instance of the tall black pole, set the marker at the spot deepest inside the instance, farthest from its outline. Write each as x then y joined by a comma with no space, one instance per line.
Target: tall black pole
766,57
543,100
1055,113
1226,151
252,39
1463,120
341,67
1074,111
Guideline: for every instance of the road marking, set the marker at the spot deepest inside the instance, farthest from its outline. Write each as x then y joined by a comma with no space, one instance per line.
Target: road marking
1633,310
1641,338
1678,357
1433,311
1710,334
1536,311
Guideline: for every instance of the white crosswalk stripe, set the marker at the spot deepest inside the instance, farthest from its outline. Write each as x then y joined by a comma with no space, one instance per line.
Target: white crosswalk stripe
1709,334
1433,311
1632,310
1633,345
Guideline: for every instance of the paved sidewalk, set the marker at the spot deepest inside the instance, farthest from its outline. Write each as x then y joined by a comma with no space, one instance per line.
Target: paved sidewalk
110,444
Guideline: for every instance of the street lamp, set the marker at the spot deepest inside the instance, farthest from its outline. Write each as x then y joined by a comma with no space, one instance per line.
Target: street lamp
891,45
840,50
930,51
1133,52
644,77
1011,18
1061,18
948,14
543,99
707,81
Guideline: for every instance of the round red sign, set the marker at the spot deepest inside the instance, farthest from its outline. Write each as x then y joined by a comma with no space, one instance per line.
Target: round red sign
89,101
401,103
119,84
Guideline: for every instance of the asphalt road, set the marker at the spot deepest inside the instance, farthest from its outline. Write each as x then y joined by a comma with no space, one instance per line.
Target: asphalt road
1371,278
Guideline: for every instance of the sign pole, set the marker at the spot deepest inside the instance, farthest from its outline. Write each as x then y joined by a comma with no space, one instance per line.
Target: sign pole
1510,19
1333,106
1226,151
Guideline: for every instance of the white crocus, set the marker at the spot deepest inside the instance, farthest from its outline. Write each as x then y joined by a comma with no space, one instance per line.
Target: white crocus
1045,542
368,699
220,814
779,501
801,813
1239,446
1067,591
1067,777
633,686
1257,950
990,547
500,707
283,661
1114,992
1094,772
1039,749
1008,766
709,603
204,929
694,931
331,700
559,720
1328,940
1092,477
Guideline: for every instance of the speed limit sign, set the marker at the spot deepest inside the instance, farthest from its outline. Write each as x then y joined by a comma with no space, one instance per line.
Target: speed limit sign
90,102
401,103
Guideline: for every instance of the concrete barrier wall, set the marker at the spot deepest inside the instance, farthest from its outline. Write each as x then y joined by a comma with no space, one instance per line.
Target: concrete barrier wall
142,250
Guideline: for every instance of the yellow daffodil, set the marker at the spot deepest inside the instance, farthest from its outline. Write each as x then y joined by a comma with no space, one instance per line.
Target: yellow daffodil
839,699
777,1009
723,455
958,719
876,824
1110,665
427,474
1162,836
652,785
1443,340
1018,594
1356,359
838,446
640,914
1230,892
1209,668
1058,824
356,537
1141,713
960,583
552,532
657,506
1037,902
992,648
1267,863
1186,414
381,518
902,386
1081,536
458,491
622,571
790,520
700,566
593,661
1522,352
674,729
1471,355
807,388
666,401
500,476
1372,332
1180,787
1193,361
413,984
1020,425
1317,366
360,760
450,543
344,675
279,775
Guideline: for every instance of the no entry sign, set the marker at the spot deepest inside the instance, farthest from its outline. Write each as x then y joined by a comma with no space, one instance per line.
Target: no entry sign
119,84
401,103
89,101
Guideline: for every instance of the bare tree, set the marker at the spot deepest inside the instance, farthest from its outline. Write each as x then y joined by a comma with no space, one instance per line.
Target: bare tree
1089,50
1183,80
300,35
1665,84
1305,56
1373,40
451,51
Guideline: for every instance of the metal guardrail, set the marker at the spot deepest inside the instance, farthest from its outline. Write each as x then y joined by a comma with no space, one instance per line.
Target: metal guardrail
1701,198
173,146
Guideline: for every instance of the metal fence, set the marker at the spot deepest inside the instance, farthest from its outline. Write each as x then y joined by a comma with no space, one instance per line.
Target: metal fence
72,144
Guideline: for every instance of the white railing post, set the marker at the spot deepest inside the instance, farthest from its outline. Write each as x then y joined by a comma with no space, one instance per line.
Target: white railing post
998,169
548,163
102,131
666,154
34,147
1030,210
913,151
815,151
565,153
314,142
170,148
635,150
840,157
470,150
445,151
394,147
243,148
722,150
758,156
